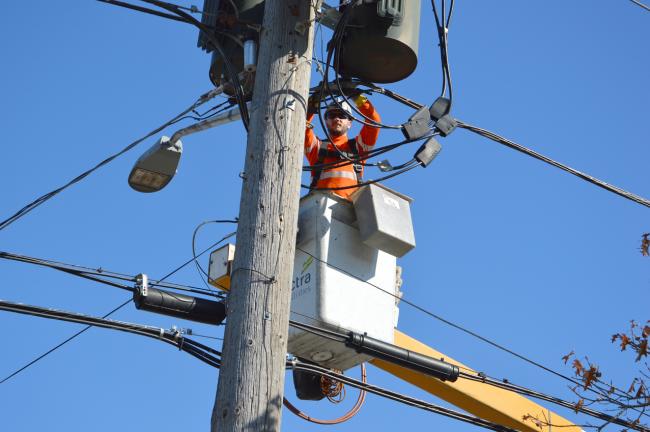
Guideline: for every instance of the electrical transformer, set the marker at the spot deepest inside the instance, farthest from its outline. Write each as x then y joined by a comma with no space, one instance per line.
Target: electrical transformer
380,43
239,22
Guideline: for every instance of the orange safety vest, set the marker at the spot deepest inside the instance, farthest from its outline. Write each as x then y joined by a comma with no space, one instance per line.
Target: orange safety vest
323,152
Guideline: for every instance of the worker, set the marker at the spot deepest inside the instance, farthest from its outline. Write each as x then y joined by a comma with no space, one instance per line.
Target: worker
338,120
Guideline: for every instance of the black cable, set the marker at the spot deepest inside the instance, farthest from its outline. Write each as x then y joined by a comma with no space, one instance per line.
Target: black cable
398,397
369,154
144,9
480,377
319,331
638,3
196,349
553,399
111,312
200,117
399,172
232,74
593,180
443,320
442,27
196,230
600,391
334,50
40,200
86,272
51,350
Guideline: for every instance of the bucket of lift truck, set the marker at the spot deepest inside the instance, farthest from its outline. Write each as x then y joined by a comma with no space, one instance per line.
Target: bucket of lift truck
345,273
341,282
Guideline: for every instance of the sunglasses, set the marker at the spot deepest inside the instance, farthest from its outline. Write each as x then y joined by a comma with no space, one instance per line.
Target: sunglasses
337,114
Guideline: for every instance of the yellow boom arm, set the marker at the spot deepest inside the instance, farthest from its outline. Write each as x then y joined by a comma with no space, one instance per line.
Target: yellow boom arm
484,401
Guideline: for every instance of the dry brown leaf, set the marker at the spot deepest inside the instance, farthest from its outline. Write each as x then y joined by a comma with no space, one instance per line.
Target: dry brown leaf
645,244
567,357
625,341
578,367
642,350
537,422
579,405
632,386
590,375
646,332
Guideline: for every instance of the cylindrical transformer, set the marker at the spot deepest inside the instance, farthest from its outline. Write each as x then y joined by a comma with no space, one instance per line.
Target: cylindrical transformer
242,19
380,43
180,305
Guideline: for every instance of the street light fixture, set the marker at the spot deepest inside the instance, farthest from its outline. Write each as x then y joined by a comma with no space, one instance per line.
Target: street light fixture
156,167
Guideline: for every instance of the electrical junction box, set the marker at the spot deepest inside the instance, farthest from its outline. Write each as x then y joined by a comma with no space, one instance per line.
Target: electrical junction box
384,219
339,283
220,267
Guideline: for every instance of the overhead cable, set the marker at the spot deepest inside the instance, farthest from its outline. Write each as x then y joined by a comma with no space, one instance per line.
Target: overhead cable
399,397
43,198
638,3
171,337
145,10
56,347
593,180
555,400
51,350
209,34
443,320
212,358
101,273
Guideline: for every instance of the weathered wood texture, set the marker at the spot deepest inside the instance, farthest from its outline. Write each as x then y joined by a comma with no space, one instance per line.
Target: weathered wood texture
251,380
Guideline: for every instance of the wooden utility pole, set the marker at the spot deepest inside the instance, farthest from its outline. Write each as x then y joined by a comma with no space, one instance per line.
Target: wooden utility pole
251,380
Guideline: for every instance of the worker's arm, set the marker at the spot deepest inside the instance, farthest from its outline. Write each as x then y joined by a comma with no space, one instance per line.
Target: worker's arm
368,135
311,142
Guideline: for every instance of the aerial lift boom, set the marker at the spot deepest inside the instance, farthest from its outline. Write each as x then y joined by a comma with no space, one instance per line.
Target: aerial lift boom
487,402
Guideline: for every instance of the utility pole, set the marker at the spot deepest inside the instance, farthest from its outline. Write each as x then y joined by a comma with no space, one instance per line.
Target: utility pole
251,380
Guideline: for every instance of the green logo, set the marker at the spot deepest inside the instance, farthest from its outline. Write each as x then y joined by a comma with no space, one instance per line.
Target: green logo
306,264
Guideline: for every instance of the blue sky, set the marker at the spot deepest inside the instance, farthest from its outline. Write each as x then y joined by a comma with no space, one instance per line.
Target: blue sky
518,251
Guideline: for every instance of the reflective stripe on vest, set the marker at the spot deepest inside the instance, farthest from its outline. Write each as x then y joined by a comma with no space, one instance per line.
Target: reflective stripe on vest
338,174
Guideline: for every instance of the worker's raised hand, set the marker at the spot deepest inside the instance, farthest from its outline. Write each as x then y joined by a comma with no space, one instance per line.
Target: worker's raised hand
313,103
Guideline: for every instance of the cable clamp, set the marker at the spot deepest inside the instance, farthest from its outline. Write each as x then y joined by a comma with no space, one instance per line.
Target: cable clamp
439,112
142,284
418,125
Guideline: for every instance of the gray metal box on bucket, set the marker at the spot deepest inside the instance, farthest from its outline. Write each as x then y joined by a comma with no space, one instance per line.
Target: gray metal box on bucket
384,218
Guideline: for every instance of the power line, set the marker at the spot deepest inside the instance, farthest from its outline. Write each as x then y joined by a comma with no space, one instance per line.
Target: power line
86,272
51,350
200,269
443,320
398,397
212,357
230,69
555,400
593,180
43,198
207,354
196,349
601,392
638,3
111,312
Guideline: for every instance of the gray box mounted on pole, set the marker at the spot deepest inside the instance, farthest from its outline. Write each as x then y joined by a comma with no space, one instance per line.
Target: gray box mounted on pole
384,219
